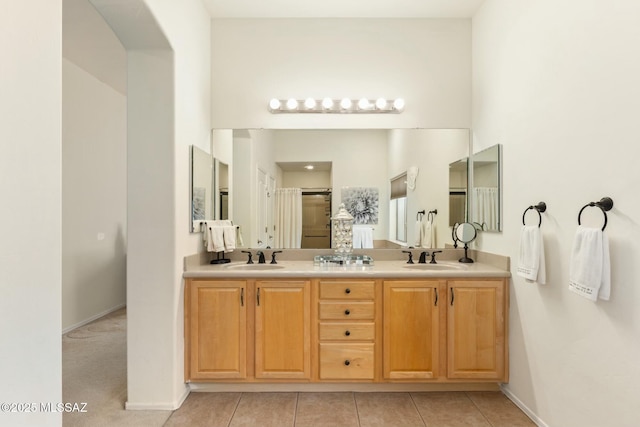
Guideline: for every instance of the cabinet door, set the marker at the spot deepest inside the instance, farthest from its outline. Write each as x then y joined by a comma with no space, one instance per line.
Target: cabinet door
218,330
283,329
476,329
411,336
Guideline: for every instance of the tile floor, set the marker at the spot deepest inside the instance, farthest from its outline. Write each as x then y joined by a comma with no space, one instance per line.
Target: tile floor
430,409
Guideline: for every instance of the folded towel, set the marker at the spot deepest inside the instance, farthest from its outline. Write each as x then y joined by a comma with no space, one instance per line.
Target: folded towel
418,233
229,237
215,241
531,263
362,237
428,234
590,266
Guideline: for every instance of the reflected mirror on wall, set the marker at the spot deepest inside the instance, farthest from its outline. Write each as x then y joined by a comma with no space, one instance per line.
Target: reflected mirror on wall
222,189
458,183
201,179
486,197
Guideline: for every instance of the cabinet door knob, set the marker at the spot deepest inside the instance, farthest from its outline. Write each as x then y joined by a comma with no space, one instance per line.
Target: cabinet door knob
347,312
347,333
347,363
347,291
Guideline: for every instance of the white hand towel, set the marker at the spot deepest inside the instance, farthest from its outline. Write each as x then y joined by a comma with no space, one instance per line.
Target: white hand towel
590,267
427,235
229,236
215,241
531,263
362,237
418,233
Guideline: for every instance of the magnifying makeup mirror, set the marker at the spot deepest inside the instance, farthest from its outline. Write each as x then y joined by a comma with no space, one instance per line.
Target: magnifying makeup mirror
465,233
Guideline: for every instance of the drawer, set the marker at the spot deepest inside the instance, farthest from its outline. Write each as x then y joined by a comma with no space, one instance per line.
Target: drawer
347,290
346,310
340,361
347,331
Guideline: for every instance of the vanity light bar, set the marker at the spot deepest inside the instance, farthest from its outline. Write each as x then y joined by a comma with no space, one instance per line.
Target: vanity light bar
336,106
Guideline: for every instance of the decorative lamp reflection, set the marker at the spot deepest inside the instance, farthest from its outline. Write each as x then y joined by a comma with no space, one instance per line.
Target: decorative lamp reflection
342,224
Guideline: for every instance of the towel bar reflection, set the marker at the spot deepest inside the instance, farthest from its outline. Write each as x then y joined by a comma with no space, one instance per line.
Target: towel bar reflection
540,207
605,204
431,215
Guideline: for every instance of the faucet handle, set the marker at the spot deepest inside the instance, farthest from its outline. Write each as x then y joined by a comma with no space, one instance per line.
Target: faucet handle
249,261
433,257
410,256
273,256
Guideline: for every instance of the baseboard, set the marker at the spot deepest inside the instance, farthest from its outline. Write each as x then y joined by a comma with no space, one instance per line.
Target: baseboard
159,406
92,318
336,387
524,408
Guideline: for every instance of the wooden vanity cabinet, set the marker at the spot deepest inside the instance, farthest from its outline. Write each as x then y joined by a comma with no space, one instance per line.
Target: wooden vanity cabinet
413,339
477,329
216,323
246,330
282,330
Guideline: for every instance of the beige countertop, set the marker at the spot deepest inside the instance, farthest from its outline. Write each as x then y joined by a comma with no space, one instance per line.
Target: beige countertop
292,266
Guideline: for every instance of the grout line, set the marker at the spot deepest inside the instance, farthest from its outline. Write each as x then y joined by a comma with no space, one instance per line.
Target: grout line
233,414
355,403
478,408
417,410
295,409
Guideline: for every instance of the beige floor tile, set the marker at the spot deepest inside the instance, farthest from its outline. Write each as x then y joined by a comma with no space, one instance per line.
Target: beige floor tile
205,409
326,410
265,410
387,409
499,410
448,409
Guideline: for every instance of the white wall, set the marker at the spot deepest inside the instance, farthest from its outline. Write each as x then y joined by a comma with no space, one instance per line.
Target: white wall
94,177
425,61
431,150
557,84
30,213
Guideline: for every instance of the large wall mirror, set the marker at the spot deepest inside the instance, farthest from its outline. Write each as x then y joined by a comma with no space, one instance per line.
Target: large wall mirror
486,197
266,168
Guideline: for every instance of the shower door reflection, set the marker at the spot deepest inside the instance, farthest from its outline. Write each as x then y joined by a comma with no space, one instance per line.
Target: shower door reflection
316,219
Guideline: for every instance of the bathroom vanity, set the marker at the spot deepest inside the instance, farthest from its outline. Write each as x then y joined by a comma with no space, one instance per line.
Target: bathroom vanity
299,323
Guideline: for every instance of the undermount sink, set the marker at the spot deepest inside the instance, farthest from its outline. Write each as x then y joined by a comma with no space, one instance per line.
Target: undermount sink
254,267
436,267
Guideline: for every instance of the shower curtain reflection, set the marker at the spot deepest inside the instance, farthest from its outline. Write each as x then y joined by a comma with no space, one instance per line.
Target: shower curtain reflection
288,218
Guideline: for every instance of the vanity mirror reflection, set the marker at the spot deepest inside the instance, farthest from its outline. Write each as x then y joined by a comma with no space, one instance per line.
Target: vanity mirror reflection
328,163
201,187
486,197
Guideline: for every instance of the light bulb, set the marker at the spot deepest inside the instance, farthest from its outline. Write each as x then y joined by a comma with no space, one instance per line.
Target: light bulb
292,104
327,103
309,103
363,104
345,104
398,104
274,104
381,103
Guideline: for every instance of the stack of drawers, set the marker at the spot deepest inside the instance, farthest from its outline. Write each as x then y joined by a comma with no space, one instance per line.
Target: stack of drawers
347,329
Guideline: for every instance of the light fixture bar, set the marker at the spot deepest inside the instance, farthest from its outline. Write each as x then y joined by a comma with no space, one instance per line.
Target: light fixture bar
336,106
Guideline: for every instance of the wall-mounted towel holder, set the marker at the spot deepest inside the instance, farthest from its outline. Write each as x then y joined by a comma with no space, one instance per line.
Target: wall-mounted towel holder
431,215
605,204
420,214
540,207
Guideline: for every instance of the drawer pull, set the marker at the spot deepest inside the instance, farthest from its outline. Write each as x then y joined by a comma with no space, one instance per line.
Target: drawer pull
347,333
347,291
347,362
347,312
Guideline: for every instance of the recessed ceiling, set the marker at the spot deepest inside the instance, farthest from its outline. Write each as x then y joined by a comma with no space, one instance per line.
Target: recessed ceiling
300,166
342,8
